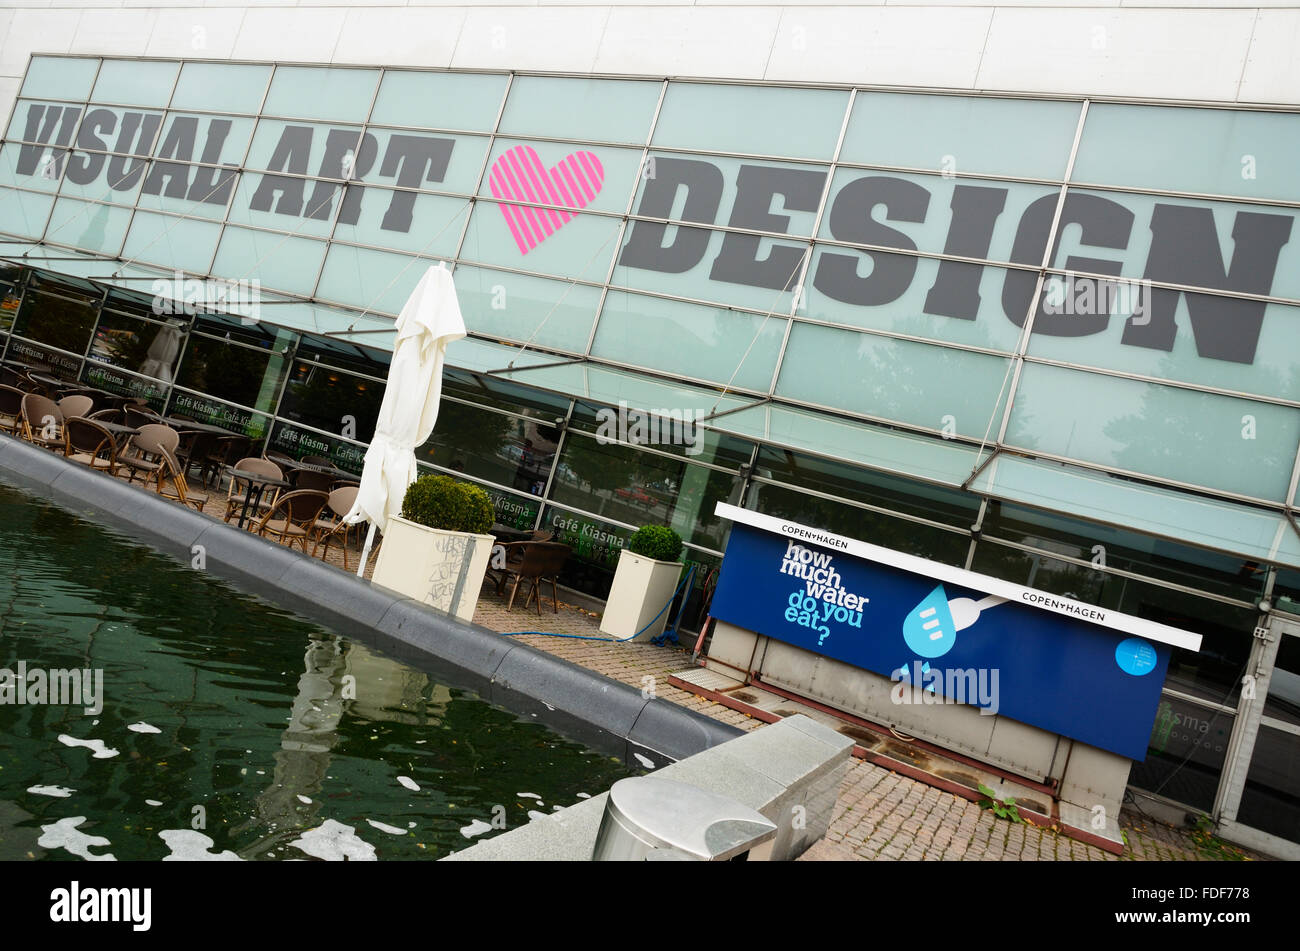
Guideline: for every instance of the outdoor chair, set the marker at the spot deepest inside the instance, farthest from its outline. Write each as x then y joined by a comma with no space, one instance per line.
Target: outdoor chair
42,421
76,405
307,479
280,459
194,448
143,454
138,415
225,451
11,408
171,483
317,461
11,377
239,488
108,416
293,517
36,386
535,562
339,503
90,444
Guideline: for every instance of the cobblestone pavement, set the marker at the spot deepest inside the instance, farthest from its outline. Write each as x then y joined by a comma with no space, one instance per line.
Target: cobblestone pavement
880,814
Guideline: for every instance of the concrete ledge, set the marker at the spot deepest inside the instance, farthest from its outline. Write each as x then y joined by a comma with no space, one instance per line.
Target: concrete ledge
584,705
783,771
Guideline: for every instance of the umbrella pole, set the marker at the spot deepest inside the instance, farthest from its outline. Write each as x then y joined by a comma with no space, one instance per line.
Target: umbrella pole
365,551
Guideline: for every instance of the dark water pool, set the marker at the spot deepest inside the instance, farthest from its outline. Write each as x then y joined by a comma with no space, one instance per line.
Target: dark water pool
232,728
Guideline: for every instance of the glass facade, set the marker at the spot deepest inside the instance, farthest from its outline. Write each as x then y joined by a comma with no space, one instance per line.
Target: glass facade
979,329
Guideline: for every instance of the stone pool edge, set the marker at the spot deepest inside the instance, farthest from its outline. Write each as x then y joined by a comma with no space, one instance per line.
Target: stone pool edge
573,700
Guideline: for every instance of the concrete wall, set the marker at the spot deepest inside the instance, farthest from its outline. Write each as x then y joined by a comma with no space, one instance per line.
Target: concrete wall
1224,50
790,772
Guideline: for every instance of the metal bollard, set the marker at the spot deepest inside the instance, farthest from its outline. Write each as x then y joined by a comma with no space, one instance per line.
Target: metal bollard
651,819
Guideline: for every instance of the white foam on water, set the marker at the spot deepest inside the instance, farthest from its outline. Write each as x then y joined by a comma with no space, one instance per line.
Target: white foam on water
534,814
584,795
152,802
644,761
547,705
410,825
100,750
529,795
409,783
556,808
142,727
187,845
384,827
421,741
335,842
304,799
477,827
59,792
64,834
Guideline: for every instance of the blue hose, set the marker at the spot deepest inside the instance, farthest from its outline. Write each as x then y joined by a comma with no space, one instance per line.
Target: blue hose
657,641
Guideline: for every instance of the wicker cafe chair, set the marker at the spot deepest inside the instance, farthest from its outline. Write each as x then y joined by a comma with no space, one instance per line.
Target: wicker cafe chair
225,451
108,416
171,482
139,415
11,408
144,452
239,488
194,448
339,503
42,421
90,444
539,562
309,479
76,405
293,517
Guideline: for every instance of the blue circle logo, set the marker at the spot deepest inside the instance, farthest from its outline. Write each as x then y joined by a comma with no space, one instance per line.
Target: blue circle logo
1135,656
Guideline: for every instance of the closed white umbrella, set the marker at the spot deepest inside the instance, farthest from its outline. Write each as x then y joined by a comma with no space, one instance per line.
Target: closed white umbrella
430,320
162,353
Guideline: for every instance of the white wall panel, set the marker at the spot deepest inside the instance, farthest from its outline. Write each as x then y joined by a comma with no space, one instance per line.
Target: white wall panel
119,32
915,47
1272,71
689,42
208,33
297,34
49,31
1163,53
400,37
552,38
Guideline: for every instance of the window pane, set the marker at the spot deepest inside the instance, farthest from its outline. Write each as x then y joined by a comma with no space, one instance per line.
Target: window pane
298,442
88,226
229,372
60,77
698,343
62,365
221,87
139,346
1185,758
561,176
528,309
320,92
1269,800
279,261
1215,244
1165,431
511,397
697,443
876,488
1211,151
57,321
213,140
628,485
596,546
377,281
504,450
431,162
970,217
777,121
962,134
439,100
300,147
916,383
53,123
600,110
580,247
440,222
899,534
233,419
949,301
329,399
135,82
41,173
172,242
1199,338
26,214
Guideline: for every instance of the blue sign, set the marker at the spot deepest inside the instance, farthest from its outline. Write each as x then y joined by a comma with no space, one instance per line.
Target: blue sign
1064,675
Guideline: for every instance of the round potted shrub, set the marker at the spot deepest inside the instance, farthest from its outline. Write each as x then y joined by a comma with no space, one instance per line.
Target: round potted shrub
436,550
647,575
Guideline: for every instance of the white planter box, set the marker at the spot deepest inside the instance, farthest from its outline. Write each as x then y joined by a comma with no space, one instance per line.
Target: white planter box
442,569
642,586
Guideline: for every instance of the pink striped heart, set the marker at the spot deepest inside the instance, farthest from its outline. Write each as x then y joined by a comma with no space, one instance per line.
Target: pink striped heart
518,175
